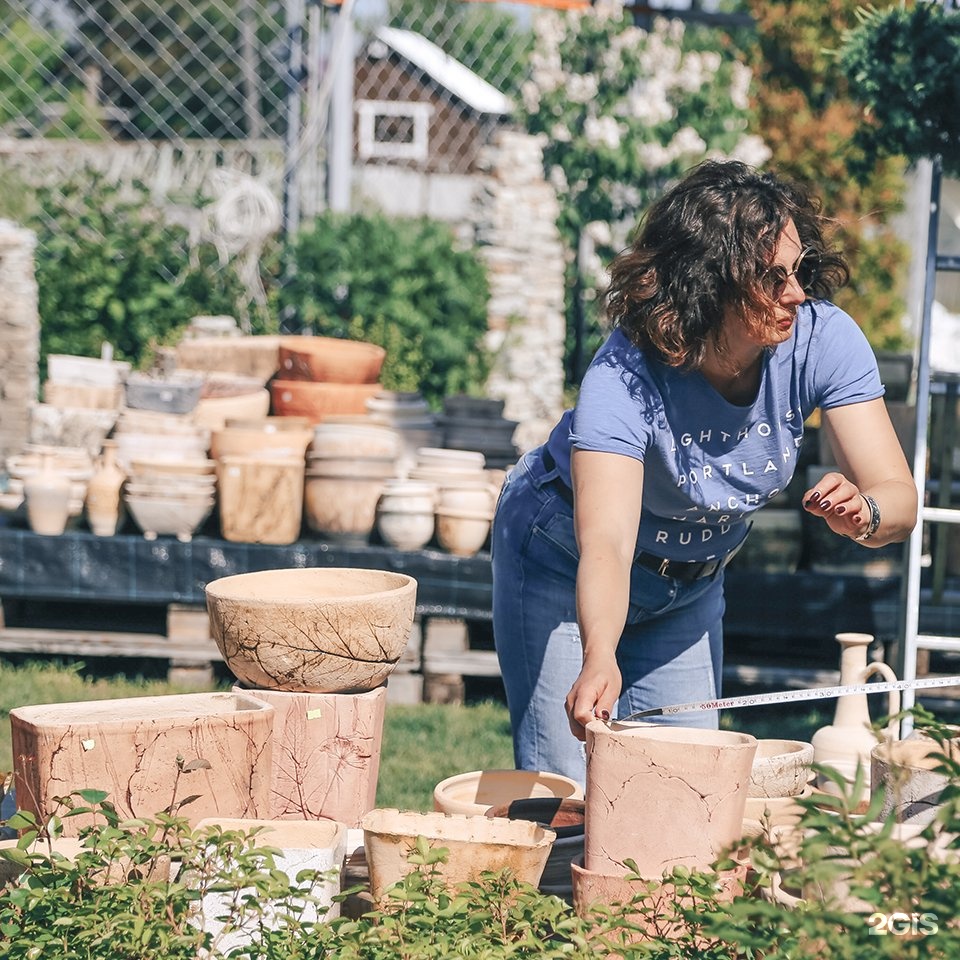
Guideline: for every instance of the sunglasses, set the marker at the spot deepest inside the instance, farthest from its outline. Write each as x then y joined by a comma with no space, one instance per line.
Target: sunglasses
805,269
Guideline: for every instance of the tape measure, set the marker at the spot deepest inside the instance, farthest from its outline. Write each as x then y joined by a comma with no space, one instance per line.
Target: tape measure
792,696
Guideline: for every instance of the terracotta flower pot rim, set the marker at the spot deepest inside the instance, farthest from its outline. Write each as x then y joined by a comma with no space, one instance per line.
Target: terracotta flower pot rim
457,514
232,587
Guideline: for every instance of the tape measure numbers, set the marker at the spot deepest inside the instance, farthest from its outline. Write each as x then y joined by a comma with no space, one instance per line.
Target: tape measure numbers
792,696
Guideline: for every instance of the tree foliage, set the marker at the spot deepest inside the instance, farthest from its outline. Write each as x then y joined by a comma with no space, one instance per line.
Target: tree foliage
804,112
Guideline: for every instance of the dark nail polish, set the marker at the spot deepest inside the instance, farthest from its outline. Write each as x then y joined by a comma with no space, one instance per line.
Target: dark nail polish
825,504
814,497
604,714
840,509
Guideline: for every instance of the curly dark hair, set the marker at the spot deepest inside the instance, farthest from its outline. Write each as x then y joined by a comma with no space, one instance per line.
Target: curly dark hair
702,249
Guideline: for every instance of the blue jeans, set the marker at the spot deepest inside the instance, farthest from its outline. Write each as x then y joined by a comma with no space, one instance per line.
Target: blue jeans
670,651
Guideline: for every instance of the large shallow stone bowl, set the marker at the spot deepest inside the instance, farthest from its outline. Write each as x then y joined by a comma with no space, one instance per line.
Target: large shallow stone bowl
333,630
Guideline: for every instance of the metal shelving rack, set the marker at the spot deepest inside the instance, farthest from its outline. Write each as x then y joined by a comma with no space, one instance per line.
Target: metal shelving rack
931,386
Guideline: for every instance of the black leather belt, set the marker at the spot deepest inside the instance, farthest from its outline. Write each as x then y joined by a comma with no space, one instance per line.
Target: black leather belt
662,566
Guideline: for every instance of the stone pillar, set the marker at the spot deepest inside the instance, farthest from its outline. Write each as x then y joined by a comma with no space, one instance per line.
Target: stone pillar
521,246
19,335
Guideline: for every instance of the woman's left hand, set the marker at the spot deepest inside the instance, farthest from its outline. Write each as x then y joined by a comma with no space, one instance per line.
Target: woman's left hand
838,501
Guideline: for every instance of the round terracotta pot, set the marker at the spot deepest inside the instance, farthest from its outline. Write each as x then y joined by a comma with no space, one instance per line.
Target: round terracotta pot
476,792
905,772
462,532
590,888
685,789
317,401
781,768
251,442
328,630
330,360
342,508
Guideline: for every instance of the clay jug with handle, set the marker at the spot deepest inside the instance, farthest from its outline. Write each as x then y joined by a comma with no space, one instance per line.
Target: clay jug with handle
47,495
104,506
849,740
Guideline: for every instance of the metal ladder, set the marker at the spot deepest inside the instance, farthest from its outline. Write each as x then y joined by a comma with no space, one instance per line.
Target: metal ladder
930,385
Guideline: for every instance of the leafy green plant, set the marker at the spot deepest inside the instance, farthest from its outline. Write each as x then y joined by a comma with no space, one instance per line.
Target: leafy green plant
400,283
864,894
111,268
903,66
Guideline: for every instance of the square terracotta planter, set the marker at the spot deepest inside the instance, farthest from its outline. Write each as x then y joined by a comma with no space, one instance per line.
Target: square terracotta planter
326,753
146,752
314,845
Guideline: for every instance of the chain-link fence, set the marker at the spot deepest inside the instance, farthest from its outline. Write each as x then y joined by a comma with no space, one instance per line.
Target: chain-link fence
168,93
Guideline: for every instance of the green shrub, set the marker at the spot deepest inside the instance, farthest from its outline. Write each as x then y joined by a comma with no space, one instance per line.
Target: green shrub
909,893
400,283
111,268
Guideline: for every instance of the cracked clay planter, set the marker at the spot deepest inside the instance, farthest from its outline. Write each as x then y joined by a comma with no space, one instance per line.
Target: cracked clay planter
326,753
474,844
663,796
326,630
134,748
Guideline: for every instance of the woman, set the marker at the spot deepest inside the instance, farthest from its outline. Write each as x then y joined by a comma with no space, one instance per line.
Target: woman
611,539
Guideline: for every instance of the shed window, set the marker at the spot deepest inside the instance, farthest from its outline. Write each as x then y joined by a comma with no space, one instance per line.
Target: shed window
395,130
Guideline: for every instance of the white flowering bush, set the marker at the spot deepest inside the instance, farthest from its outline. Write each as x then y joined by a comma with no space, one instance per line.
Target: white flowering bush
623,111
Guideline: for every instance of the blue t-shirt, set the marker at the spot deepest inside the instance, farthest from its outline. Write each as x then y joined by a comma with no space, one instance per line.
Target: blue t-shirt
708,464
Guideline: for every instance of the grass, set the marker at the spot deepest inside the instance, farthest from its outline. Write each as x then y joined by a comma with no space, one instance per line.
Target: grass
422,745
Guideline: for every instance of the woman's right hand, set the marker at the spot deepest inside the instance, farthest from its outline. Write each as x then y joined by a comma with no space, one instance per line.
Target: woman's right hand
594,692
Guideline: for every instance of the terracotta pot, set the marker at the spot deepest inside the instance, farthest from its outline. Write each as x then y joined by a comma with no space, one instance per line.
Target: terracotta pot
470,498
405,529
342,508
905,772
104,508
685,788
357,439
475,845
781,768
332,630
462,532
254,442
317,401
254,356
270,424
476,792
213,412
847,743
134,749
261,500
441,457
405,514
178,516
331,360
592,888
326,753
299,845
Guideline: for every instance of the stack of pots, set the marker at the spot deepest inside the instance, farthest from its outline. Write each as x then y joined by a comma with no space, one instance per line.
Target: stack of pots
260,468
410,415
348,464
318,645
162,504
466,497
477,423
320,377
